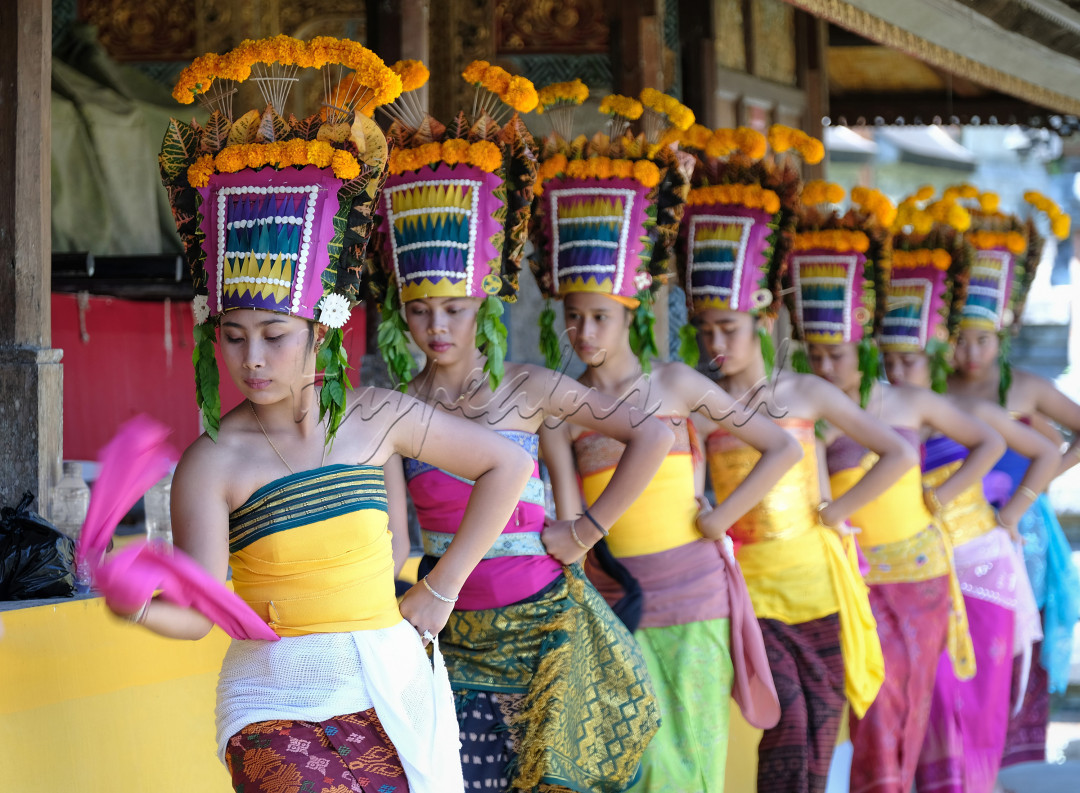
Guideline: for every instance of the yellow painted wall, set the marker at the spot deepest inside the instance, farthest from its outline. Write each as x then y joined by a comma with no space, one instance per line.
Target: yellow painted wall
90,704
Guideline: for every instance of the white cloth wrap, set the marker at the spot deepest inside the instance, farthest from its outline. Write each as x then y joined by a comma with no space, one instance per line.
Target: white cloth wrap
323,675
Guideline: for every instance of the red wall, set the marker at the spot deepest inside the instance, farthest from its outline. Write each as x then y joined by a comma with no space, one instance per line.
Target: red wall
136,358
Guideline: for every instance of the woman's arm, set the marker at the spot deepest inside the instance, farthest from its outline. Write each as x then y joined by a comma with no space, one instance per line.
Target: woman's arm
200,527
499,469
985,446
556,447
1025,441
398,510
895,455
779,450
1054,405
647,443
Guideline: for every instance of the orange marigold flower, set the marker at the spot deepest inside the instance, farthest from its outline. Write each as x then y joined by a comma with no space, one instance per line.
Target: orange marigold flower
455,150
319,153
345,165
647,173
413,74
475,71
485,155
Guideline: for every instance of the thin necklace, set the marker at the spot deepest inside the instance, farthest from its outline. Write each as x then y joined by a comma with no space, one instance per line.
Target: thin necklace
272,446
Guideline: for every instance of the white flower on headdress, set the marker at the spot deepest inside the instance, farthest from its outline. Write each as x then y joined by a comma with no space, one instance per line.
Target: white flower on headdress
334,310
642,281
200,308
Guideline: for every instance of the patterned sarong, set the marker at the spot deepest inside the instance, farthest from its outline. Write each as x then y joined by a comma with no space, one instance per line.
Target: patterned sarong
550,691
692,671
341,755
808,669
912,620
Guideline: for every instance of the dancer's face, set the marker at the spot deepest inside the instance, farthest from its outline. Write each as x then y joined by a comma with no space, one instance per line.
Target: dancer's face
837,363
907,368
976,353
729,337
444,328
269,356
596,325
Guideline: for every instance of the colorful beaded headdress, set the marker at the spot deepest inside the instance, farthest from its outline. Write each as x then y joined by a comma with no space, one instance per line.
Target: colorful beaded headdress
455,209
275,212
837,268
608,208
1006,254
737,225
924,290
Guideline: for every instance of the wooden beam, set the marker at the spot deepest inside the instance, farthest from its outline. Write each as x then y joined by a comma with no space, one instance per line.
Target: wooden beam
31,384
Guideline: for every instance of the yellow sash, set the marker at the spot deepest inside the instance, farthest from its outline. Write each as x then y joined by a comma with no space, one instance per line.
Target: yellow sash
820,575
967,516
334,575
897,514
663,517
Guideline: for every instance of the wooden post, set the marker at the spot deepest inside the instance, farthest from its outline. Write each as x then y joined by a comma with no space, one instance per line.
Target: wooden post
31,379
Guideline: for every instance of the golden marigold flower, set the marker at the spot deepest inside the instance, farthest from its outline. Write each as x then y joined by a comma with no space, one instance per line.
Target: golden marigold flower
924,193
485,155
622,169
413,74
455,150
573,92
647,173
319,153
520,94
345,165
625,106
475,71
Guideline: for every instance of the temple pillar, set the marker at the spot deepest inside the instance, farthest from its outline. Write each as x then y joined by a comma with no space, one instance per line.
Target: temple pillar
31,376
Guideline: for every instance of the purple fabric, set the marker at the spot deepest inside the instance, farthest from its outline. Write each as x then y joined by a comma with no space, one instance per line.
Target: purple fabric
966,734
845,453
940,450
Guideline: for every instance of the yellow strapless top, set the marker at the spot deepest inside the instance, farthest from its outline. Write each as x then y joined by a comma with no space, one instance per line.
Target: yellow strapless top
664,516
967,516
311,552
897,514
790,508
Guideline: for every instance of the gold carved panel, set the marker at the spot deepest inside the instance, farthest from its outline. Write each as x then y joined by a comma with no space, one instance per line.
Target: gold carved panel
549,26
461,31
729,41
180,30
773,37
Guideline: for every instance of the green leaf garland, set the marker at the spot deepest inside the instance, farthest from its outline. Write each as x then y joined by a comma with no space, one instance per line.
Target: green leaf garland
549,339
689,350
392,342
491,338
207,394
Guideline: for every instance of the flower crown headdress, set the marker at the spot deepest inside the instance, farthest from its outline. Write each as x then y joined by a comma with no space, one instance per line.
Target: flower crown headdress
838,267
454,213
926,286
1007,250
738,223
608,208
274,211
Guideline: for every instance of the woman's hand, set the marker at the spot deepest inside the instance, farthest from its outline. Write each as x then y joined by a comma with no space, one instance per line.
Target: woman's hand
560,542
425,612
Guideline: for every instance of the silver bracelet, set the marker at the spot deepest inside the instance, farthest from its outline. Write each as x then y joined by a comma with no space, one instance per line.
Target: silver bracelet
443,598
139,617
574,534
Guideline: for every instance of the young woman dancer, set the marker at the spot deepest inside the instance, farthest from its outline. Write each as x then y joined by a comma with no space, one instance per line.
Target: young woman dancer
302,521
982,371
675,553
552,692
838,270
962,750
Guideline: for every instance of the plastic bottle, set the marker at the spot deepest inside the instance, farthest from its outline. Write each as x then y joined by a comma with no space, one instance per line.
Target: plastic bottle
70,501
158,515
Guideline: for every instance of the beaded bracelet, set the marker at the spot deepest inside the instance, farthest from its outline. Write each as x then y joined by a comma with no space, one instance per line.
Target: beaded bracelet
574,534
586,514
443,598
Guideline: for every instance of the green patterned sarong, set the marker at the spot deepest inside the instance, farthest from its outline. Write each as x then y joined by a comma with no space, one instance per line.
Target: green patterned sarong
691,670
570,687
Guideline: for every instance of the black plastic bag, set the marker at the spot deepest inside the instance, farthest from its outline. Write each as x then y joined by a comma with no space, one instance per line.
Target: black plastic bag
36,560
